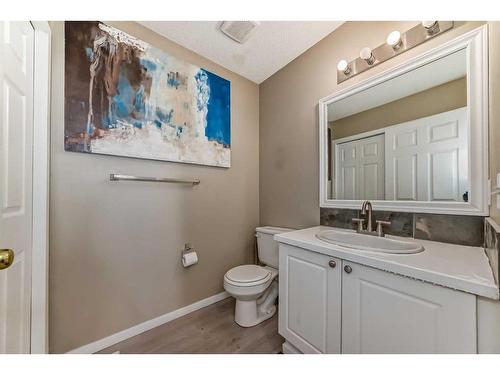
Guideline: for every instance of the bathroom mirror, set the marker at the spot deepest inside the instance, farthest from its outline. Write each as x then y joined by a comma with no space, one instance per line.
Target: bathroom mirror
413,138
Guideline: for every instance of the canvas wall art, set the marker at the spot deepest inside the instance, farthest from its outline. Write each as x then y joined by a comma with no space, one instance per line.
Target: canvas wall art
124,97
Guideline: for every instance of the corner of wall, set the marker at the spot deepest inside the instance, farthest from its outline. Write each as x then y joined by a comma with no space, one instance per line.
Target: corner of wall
494,116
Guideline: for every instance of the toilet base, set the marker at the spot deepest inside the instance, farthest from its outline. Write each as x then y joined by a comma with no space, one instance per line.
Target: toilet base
247,314
252,312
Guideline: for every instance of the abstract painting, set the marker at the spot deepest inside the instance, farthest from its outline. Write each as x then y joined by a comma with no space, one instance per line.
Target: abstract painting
124,97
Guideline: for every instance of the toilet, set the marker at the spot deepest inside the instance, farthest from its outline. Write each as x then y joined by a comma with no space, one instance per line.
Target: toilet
254,287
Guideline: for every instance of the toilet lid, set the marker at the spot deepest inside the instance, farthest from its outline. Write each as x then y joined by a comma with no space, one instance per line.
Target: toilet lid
247,274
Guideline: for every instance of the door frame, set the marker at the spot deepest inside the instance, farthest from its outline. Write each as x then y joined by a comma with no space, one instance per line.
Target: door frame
39,343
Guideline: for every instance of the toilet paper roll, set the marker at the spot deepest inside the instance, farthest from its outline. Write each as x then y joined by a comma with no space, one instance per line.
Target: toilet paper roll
189,258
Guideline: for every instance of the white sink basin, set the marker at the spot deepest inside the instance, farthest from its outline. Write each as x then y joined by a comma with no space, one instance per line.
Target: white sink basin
356,241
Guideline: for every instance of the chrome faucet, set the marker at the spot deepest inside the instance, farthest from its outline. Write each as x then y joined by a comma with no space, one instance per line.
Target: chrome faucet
366,209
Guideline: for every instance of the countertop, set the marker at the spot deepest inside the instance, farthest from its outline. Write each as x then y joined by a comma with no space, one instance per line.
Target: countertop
464,268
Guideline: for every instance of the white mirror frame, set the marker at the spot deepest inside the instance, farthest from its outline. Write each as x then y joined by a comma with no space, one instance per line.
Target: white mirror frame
476,44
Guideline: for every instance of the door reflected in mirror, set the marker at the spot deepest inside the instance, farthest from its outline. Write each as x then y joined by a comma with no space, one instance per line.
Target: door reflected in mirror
405,139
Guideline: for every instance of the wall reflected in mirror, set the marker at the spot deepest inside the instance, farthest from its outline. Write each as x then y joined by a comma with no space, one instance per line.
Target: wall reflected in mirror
405,139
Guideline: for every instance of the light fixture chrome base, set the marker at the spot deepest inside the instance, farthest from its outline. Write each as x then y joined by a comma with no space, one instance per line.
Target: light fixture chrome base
434,29
411,38
371,60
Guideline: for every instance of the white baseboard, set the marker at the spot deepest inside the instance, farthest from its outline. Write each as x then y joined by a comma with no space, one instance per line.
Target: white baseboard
95,346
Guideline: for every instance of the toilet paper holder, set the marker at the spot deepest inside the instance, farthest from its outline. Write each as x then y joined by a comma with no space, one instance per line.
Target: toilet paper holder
187,248
189,257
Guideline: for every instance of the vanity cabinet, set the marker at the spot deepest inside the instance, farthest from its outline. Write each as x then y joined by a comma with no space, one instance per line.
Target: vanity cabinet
328,305
310,300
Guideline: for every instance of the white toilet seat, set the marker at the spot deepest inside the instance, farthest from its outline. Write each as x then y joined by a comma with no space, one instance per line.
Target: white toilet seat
248,275
248,281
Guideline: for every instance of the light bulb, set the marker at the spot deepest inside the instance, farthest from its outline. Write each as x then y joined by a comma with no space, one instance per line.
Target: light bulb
343,66
431,27
367,55
394,39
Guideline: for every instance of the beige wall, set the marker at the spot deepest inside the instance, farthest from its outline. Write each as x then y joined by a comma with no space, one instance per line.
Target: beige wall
115,247
494,56
289,167
439,99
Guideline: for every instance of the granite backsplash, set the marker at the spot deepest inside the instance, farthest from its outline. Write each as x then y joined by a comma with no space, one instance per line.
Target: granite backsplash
492,245
456,229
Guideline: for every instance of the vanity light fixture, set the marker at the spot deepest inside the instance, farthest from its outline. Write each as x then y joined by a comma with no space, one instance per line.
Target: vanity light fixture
432,27
367,55
396,43
394,40
343,66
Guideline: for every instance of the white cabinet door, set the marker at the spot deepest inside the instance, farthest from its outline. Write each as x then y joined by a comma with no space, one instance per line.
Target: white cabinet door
359,170
16,147
387,313
426,159
310,300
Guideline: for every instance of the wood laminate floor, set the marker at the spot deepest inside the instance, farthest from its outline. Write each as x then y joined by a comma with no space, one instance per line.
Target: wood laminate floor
208,330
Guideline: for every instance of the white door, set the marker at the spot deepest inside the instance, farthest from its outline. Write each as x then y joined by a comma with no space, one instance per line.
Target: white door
426,159
386,313
359,172
310,300
16,138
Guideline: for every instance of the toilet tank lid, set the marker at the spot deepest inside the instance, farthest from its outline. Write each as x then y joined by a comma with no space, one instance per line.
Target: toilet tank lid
272,230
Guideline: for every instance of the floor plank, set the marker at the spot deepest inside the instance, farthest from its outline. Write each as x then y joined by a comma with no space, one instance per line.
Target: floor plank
209,330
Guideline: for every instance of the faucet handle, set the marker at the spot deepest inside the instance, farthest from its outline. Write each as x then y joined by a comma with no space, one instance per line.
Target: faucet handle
359,221
380,231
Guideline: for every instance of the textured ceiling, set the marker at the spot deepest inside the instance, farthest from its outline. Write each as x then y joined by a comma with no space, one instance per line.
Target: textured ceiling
273,45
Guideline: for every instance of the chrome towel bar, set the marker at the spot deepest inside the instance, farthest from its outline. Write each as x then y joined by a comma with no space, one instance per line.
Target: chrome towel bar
123,177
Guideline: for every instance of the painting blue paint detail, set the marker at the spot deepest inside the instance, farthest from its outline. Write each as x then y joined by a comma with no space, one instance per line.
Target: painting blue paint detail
173,80
147,64
219,109
203,90
90,54
164,117
122,104
130,103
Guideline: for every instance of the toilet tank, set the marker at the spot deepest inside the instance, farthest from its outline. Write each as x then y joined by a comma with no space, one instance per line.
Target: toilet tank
267,247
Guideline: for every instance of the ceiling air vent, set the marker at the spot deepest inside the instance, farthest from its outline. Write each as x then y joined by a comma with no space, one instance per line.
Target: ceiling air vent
239,31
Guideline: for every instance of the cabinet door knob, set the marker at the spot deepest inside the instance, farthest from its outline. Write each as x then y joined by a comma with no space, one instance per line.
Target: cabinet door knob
332,263
347,268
